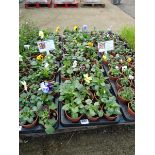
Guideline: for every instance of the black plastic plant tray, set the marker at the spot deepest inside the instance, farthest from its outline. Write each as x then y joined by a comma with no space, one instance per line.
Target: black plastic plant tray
102,121
39,128
124,107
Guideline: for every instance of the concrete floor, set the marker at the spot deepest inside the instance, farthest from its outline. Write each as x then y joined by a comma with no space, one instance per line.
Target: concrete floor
101,18
128,6
104,141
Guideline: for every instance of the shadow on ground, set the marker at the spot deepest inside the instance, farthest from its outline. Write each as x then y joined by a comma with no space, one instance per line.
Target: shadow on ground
116,140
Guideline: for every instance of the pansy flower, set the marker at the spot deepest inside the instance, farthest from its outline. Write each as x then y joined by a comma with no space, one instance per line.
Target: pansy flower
75,28
46,65
27,46
117,67
87,78
129,59
117,55
46,87
90,44
58,29
131,77
40,57
104,58
41,34
74,64
124,68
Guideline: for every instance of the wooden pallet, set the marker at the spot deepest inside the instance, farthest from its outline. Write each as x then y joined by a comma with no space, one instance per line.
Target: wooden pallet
83,4
38,5
66,5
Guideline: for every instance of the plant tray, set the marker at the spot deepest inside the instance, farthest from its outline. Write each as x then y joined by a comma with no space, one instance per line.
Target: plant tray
124,107
84,121
39,128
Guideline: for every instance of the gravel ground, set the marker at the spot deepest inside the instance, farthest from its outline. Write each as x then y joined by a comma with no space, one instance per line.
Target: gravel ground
116,140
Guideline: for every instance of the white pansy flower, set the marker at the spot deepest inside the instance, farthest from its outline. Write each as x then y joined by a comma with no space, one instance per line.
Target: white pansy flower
46,65
124,68
27,46
117,67
74,64
121,60
117,55
131,77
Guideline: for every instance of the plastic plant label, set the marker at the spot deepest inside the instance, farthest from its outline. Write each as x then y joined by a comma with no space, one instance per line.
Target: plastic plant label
46,46
20,128
109,45
50,45
101,47
106,46
41,46
84,121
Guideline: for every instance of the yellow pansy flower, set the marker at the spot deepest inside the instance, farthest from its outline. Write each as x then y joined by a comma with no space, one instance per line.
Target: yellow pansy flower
90,44
40,57
41,34
76,28
58,29
87,78
129,60
104,58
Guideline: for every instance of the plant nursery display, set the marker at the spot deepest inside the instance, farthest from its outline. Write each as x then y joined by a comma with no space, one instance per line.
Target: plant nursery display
74,84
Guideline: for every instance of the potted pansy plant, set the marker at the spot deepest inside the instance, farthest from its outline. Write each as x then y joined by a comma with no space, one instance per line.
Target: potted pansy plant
125,95
111,108
27,117
93,110
114,73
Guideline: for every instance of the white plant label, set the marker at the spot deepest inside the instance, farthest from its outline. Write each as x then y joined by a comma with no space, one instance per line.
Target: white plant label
106,46
84,121
41,46
46,46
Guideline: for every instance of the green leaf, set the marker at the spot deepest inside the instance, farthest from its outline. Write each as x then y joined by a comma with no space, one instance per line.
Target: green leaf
49,129
74,115
33,63
53,106
88,101
100,113
75,110
91,112
39,104
34,108
65,107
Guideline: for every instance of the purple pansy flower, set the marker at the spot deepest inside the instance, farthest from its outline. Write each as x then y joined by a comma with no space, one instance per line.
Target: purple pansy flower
46,87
